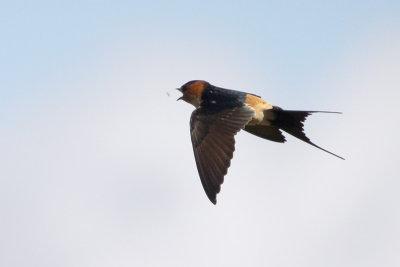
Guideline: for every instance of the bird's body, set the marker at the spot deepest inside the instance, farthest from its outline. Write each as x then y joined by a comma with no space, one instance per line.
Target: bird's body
221,113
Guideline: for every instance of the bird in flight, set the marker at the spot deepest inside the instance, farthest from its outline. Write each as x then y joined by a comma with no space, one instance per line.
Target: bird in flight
220,114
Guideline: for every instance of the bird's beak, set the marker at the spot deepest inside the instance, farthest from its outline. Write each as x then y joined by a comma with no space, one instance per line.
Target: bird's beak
180,90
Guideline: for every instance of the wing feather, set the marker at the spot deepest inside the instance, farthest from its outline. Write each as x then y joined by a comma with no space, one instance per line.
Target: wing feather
212,135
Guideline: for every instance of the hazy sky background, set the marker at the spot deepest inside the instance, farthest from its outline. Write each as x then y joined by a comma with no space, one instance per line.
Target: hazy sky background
96,164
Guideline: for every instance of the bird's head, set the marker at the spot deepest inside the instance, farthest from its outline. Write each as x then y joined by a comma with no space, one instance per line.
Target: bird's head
192,91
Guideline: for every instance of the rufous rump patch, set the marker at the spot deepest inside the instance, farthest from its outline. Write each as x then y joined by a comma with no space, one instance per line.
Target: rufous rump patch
253,100
259,105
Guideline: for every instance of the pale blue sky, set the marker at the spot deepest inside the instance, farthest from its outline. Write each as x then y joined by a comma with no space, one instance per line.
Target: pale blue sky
96,162
42,37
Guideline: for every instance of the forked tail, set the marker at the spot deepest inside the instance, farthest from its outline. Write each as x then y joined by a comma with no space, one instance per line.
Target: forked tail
292,122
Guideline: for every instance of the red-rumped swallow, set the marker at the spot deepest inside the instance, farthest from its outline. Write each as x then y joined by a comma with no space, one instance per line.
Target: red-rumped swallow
220,114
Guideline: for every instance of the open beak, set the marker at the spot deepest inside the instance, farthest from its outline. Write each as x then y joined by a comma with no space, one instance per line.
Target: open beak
180,90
